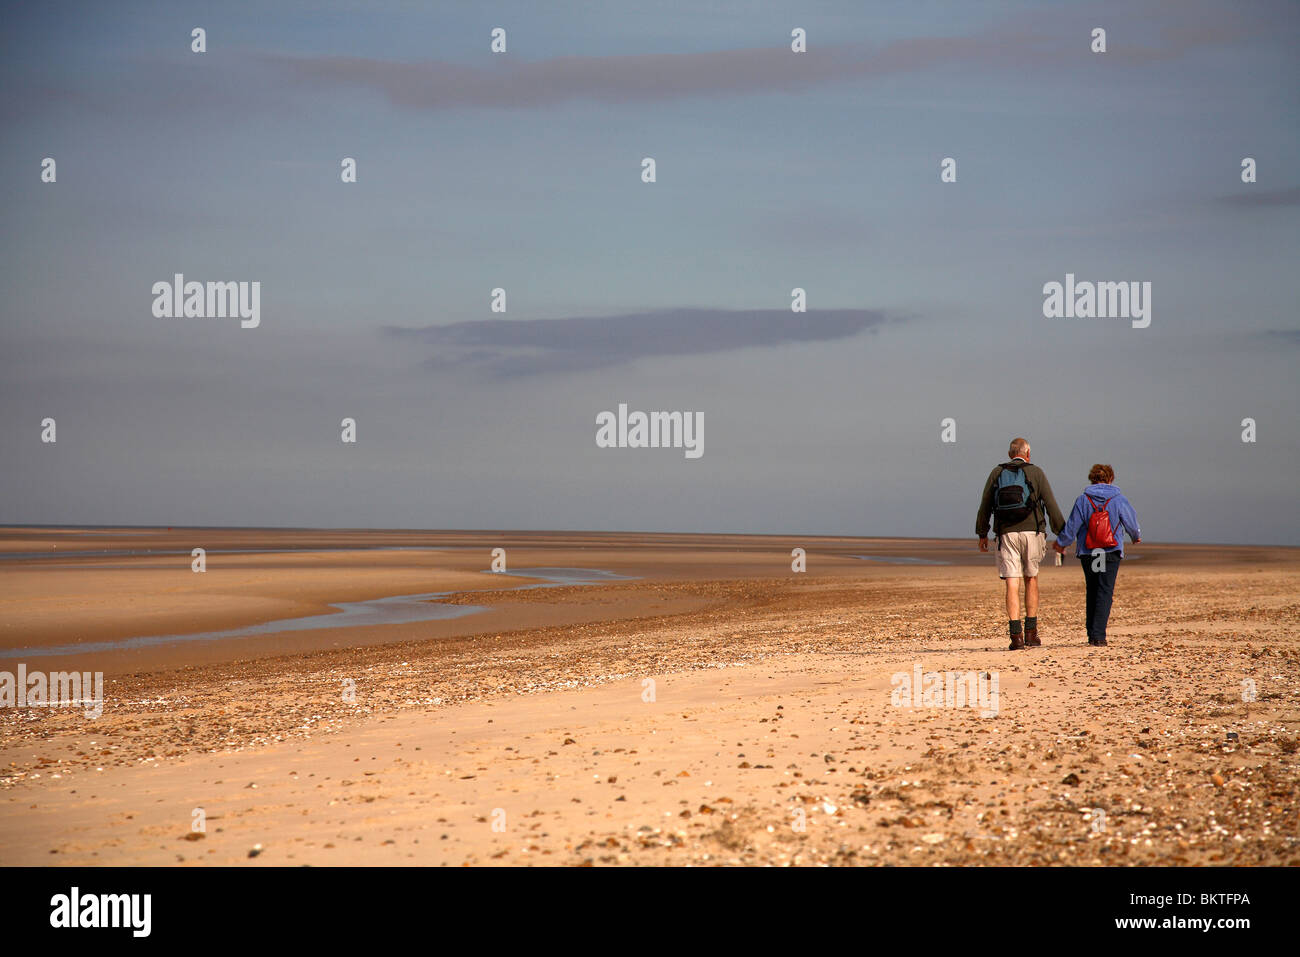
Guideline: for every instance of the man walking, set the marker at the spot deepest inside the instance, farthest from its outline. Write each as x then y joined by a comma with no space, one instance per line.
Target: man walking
1016,496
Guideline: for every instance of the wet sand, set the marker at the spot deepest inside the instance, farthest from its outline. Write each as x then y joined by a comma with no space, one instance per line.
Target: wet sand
527,733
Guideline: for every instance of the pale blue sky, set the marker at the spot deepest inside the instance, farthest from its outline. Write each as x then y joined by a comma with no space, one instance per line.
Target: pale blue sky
775,170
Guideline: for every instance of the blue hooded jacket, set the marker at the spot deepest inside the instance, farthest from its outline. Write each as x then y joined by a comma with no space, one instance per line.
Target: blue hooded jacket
1122,519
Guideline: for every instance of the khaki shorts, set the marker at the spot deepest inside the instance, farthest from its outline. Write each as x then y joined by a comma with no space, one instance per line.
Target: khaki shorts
1019,554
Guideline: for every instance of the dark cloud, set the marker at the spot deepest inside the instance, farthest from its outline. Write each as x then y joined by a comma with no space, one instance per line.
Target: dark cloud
1289,337
510,347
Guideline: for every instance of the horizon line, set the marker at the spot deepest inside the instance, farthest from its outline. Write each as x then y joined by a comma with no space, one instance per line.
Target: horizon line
585,531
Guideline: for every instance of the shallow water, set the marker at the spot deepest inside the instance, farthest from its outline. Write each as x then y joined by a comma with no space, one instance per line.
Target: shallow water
566,576
187,552
394,610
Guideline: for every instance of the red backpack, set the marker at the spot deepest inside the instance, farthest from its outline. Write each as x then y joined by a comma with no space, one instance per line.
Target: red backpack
1100,534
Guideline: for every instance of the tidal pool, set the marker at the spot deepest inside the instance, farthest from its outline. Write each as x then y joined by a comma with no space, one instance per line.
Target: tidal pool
394,610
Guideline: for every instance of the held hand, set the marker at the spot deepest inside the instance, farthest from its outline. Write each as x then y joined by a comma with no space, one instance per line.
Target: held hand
984,544
1058,548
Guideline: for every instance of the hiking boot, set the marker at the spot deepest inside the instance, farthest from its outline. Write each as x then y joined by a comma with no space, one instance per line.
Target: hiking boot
1017,642
1031,638
1096,642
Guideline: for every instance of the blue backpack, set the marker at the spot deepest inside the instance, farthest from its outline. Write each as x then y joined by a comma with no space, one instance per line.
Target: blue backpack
1011,495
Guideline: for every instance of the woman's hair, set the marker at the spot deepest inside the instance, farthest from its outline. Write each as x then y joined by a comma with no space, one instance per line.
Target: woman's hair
1101,475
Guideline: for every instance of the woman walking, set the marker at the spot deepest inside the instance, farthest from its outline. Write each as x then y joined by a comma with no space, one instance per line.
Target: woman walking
1097,523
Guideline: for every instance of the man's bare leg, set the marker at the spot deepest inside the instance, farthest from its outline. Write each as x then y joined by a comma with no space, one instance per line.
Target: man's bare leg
1031,613
1013,598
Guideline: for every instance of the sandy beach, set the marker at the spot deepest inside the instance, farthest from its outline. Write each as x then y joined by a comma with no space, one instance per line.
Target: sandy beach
710,707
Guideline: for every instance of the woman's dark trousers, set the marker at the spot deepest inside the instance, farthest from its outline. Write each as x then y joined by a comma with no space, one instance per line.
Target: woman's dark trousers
1101,592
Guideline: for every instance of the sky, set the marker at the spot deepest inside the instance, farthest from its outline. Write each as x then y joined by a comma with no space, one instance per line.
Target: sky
522,171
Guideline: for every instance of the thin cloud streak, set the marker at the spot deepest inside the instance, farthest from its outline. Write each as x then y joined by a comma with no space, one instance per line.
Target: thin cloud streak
671,76
1045,44
1290,337
507,347
1266,197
